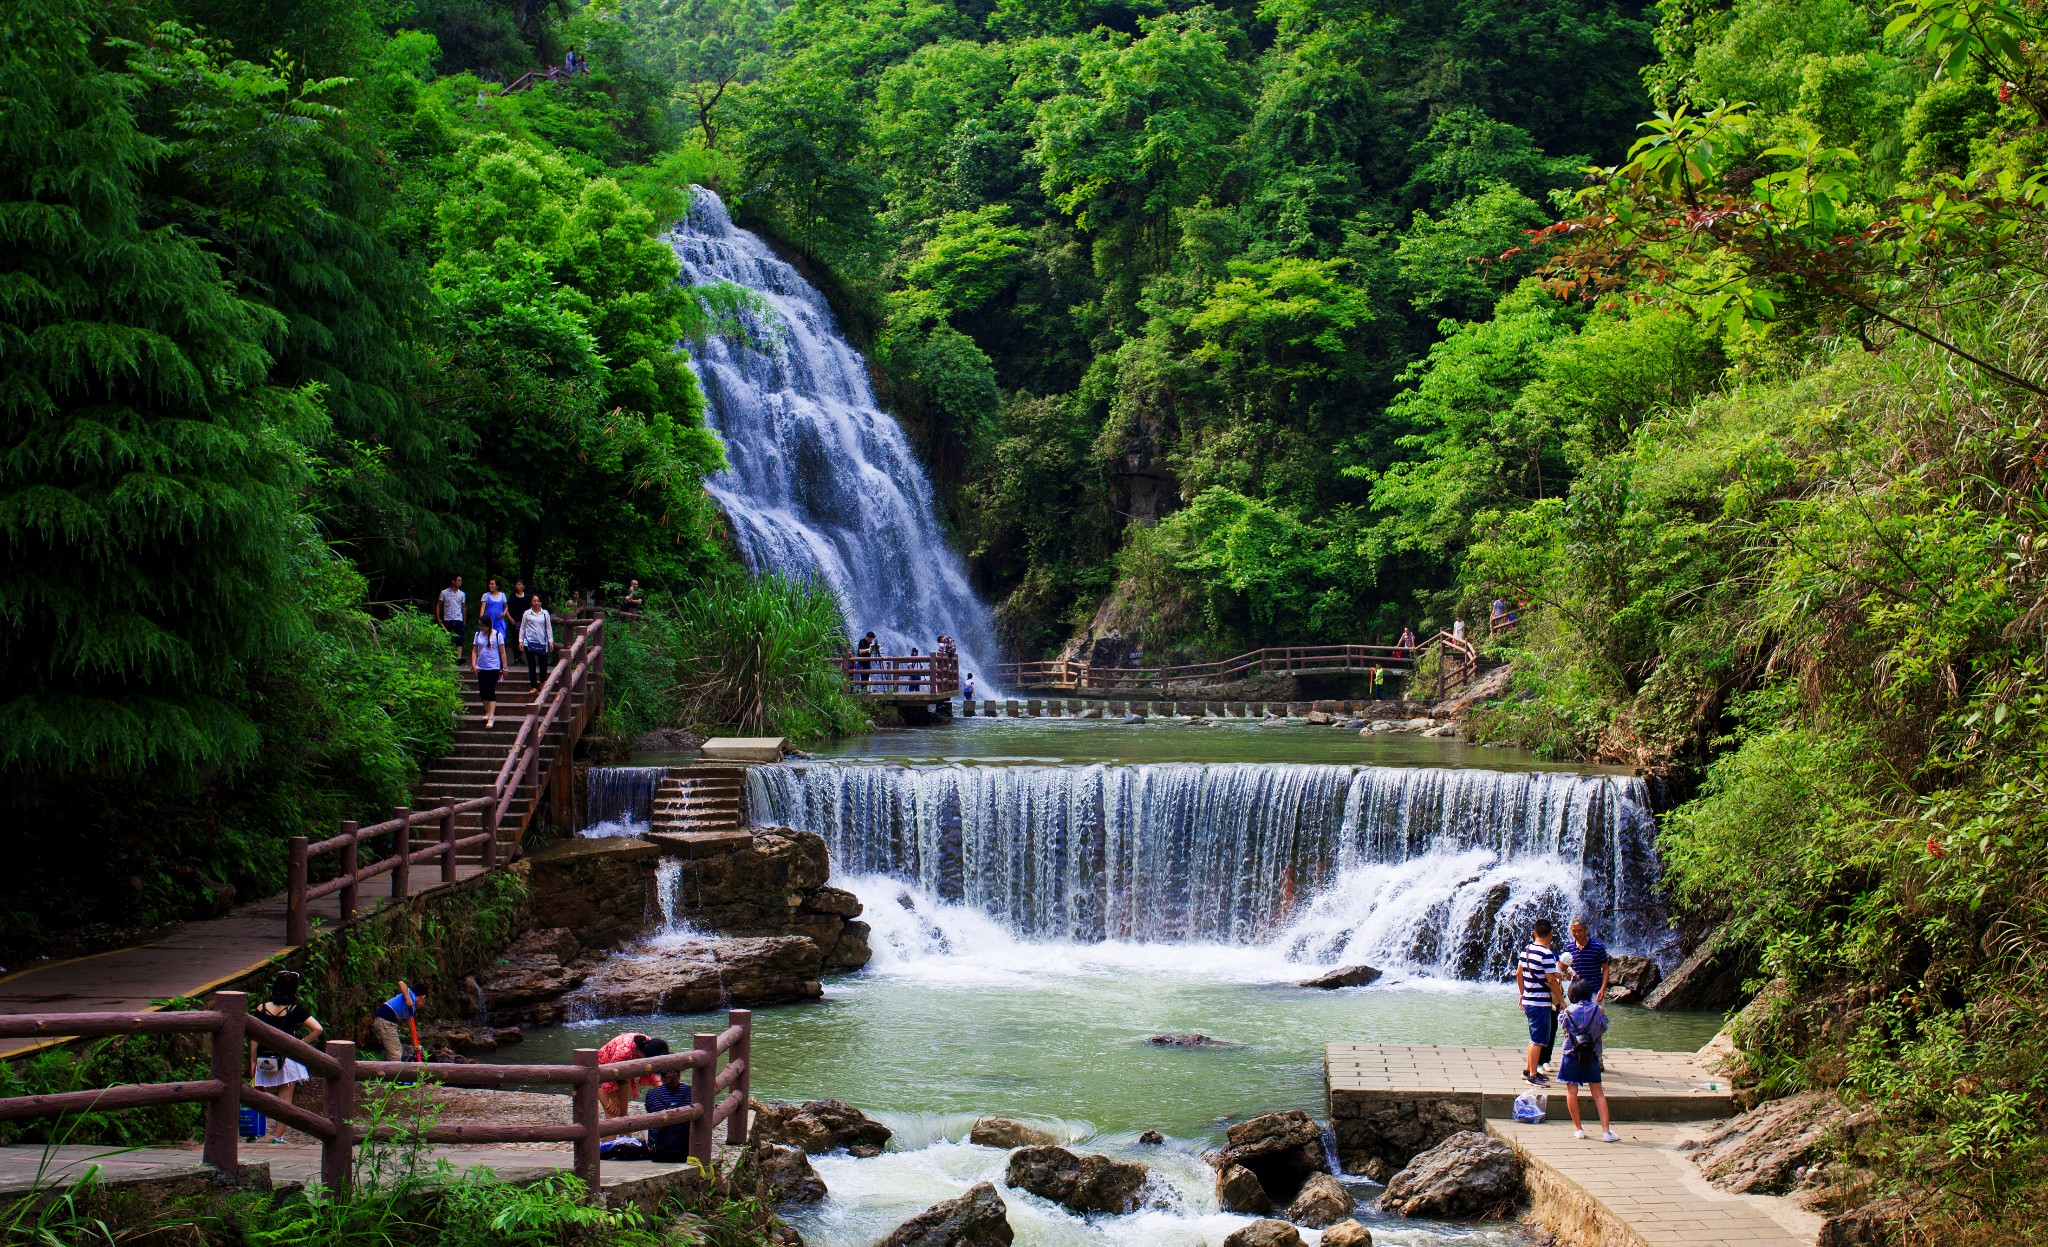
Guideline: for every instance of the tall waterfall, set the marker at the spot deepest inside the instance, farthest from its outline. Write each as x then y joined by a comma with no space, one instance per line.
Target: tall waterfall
822,482
1434,870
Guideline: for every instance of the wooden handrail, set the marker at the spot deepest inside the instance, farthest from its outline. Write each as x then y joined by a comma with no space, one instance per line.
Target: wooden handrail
936,674
1066,673
577,674
231,1028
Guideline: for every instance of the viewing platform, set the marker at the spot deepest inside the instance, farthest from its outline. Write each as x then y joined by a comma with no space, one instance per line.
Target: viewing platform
1641,1085
903,679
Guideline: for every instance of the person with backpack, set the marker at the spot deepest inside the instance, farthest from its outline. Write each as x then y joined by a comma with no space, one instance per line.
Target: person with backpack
1536,979
1584,1024
273,1071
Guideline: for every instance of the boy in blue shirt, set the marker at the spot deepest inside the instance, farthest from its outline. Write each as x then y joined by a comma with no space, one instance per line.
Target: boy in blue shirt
669,1143
1583,1023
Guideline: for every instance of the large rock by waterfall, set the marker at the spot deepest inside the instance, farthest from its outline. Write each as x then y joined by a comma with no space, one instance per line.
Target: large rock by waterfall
700,976
977,1219
774,885
1085,1184
818,1126
1467,1175
821,481
1281,1149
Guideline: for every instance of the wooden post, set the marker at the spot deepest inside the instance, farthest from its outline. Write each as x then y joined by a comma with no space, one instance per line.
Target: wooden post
337,1154
490,854
348,871
224,1116
448,840
296,928
590,1116
704,1094
401,874
736,1133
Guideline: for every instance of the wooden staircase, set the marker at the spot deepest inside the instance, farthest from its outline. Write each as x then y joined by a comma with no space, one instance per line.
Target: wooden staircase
471,767
701,799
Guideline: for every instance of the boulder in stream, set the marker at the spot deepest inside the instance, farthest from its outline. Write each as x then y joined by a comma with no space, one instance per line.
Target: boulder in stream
1467,1175
1264,1234
1082,1183
1152,1138
1349,976
699,977
977,1219
1630,980
1283,1149
817,1126
1005,1132
788,1174
1322,1201
1347,1234
1238,1190
1187,1041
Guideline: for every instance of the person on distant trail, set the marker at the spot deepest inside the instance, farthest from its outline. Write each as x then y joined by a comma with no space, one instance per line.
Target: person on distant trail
1406,645
384,1022
1500,607
865,654
495,606
615,1097
1586,958
1457,629
967,688
454,611
536,641
1536,979
487,659
1584,1023
634,601
669,1144
521,599
273,1071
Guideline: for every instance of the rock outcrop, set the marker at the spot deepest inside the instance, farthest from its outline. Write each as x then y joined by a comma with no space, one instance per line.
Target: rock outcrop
529,980
1238,1190
818,1126
696,978
776,885
1467,1175
788,1174
1379,1136
977,1219
1264,1234
1630,980
1152,1138
1349,976
1083,1183
1347,1234
1186,1041
1281,1149
1322,1201
1711,978
1766,1150
1005,1132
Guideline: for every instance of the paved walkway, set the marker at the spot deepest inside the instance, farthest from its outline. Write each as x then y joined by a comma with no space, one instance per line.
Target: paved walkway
1642,1085
1641,1192
188,960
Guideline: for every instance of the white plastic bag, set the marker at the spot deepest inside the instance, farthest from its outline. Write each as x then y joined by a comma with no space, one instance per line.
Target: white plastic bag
1528,1109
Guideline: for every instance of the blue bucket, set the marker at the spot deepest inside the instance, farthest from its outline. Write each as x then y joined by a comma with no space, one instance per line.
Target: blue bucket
254,1125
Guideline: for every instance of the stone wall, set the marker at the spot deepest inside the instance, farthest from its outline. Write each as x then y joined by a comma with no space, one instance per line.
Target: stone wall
773,883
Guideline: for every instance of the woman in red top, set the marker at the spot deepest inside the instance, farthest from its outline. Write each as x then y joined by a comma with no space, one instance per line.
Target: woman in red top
615,1097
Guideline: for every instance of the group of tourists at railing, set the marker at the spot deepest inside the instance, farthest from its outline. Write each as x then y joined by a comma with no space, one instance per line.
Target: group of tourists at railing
937,672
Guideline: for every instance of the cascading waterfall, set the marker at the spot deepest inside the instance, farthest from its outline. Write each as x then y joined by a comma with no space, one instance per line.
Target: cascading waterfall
619,800
1430,870
821,481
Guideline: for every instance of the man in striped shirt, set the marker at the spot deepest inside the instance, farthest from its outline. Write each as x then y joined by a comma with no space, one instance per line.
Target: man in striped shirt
1536,978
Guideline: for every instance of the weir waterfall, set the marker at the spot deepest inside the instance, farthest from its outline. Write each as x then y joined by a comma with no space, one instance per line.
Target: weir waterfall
821,481
1433,871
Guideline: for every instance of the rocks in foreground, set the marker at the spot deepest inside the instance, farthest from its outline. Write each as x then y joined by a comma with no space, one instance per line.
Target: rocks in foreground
788,1174
1323,1201
818,1126
977,1219
1082,1183
1005,1132
1347,1234
1349,976
700,977
529,979
1630,980
1264,1234
1283,1150
1378,1138
1238,1190
1467,1175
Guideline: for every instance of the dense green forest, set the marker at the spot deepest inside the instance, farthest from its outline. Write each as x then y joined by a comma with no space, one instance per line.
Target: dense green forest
1708,328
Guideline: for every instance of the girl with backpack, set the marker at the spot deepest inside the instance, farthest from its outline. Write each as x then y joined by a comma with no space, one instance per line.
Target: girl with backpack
1583,1024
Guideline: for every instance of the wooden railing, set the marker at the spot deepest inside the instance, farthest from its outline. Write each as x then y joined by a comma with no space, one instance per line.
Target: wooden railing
717,1095
576,673
883,675
1457,662
1280,660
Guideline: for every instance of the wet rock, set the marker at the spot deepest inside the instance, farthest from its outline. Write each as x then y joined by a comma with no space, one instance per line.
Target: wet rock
696,978
1320,718
1417,725
1630,980
1349,976
788,1174
977,1219
1091,712
837,901
1238,1190
1264,1234
817,1126
527,983
1377,1137
1355,724
1347,1234
851,951
1187,1041
1005,1132
1322,1201
1152,1138
1283,1149
1467,1175
1709,979
1448,729
1082,1183
1478,937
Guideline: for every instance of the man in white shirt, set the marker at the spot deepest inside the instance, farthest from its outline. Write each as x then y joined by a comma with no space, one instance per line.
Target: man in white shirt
454,604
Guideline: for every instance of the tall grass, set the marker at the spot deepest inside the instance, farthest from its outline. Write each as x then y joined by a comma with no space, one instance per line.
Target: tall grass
733,655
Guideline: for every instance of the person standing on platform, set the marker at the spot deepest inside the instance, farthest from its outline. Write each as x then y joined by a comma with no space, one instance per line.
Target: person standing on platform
1536,979
271,1070
1584,1023
1586,958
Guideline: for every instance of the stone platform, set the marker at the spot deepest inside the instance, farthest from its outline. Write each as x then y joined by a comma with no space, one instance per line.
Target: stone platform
1641,1085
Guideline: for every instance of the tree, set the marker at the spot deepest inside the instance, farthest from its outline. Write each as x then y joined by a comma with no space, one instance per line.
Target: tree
707,47
148,470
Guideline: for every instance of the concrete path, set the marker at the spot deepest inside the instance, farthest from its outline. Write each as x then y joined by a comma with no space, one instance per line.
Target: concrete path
187,960
1642,1085
1641,1192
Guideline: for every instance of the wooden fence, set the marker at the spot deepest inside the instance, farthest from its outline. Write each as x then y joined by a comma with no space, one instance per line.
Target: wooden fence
717,1095
903,675
579,671
1276,660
